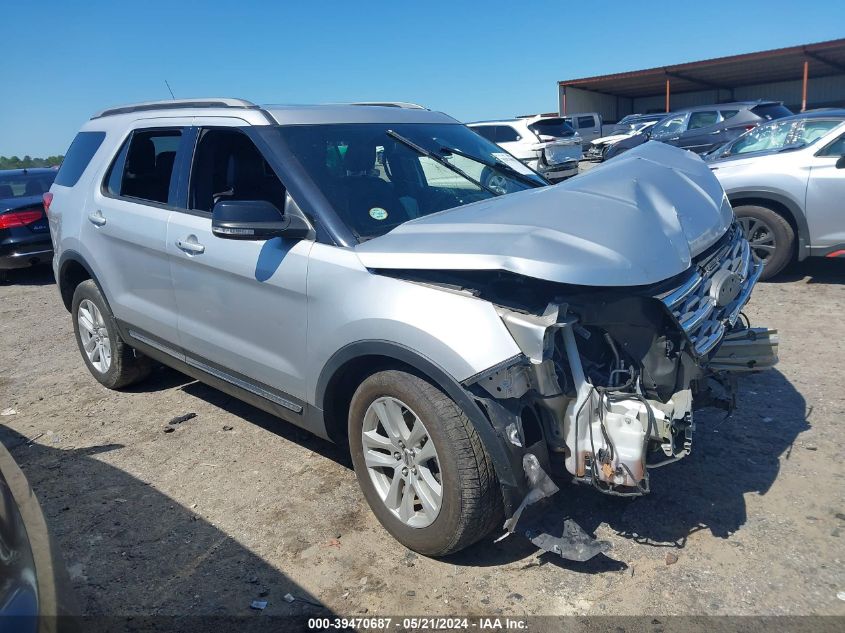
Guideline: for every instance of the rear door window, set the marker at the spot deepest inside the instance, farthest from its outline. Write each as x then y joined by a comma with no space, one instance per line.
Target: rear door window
701,119
506,134
728,114
79,154
143,169
487,131
586,121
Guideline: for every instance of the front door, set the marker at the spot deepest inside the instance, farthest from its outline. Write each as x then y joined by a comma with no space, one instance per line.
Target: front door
242,303
826,197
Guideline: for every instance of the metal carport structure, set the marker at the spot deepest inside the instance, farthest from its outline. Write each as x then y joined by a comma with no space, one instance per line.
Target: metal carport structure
803,77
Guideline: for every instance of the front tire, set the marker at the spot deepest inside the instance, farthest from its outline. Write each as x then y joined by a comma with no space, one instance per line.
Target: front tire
421,465
770,235
109,359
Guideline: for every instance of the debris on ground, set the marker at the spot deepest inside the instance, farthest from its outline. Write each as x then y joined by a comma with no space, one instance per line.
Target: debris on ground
8,411
289,597
182,418
258,605
333,543
671,558
226,427
168,429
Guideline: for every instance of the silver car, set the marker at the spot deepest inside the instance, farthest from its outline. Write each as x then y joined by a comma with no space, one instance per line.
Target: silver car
786,182
346,269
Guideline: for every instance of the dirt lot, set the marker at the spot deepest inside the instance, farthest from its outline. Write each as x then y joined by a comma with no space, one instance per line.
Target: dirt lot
235,505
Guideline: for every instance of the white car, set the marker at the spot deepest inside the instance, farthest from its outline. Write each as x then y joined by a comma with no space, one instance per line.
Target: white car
548,145
598,148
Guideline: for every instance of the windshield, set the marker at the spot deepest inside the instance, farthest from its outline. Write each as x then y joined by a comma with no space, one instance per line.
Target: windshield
552,127
377,176
23,184
782,134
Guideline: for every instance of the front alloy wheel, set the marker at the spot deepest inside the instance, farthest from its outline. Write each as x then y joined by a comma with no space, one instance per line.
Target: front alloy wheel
402,462
421,464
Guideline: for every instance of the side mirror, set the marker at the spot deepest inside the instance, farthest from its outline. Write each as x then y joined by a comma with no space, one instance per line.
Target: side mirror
840,164
255,220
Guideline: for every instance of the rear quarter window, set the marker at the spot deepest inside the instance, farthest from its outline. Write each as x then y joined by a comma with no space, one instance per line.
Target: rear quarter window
771,111
79,154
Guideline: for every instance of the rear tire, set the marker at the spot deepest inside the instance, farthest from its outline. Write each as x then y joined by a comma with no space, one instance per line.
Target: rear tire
771,236
109,359
470,502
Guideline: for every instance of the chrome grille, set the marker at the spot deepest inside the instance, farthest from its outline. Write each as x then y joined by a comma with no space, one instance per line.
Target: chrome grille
694,303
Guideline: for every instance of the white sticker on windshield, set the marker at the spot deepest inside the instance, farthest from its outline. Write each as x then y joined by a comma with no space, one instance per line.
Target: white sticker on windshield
512,162
377,213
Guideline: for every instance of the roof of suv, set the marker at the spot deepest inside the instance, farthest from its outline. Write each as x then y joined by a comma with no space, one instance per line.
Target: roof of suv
386,112
742,105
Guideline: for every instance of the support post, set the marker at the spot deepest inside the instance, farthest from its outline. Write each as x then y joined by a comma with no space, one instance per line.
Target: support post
667,95
804,88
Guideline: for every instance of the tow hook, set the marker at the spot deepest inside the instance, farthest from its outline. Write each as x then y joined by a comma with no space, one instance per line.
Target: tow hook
549,529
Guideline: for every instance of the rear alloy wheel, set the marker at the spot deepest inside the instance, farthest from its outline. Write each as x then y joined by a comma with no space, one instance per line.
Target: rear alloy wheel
770,236
421,464
108,358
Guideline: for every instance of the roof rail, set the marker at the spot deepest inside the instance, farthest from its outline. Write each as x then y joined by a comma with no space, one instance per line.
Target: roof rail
170,104
391,104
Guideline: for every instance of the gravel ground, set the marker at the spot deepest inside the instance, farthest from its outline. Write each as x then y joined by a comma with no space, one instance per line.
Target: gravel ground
235,505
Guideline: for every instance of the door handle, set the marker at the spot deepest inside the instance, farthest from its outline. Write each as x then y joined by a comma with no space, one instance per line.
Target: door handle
192,246
97,218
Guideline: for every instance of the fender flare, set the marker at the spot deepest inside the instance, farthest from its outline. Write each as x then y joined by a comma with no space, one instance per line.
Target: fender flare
796,214
512,483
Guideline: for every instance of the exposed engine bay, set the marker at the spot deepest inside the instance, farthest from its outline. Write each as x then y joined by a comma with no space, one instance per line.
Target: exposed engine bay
609,378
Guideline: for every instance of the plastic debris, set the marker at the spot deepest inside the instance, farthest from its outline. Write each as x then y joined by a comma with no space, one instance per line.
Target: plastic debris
259,605
182,418
8,411
541,486
841,595
226,427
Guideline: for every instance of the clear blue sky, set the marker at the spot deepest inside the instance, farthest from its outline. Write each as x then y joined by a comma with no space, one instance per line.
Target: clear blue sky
62,61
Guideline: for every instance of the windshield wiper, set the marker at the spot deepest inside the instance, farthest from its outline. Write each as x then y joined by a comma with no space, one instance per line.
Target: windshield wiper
440,160
494,165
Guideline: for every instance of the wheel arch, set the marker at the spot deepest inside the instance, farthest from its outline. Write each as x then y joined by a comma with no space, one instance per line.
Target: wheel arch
350,365
784,206
73,270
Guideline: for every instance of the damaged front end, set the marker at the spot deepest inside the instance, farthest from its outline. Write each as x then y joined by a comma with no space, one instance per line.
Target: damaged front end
609,378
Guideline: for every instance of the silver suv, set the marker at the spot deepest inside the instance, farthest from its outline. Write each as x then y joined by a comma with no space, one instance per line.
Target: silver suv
786,179
345,268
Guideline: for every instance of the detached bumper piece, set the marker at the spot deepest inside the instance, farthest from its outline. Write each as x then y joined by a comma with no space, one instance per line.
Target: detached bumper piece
547,527
748,349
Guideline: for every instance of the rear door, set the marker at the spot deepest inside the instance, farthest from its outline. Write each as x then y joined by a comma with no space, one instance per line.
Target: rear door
509,138
588,127
825,205
242,303
125,227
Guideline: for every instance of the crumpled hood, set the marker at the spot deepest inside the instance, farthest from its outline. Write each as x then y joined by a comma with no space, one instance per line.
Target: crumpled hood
638,219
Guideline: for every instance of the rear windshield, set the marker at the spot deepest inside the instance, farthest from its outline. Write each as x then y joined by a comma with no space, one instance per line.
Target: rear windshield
552,127
79,154
22,185
771,111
